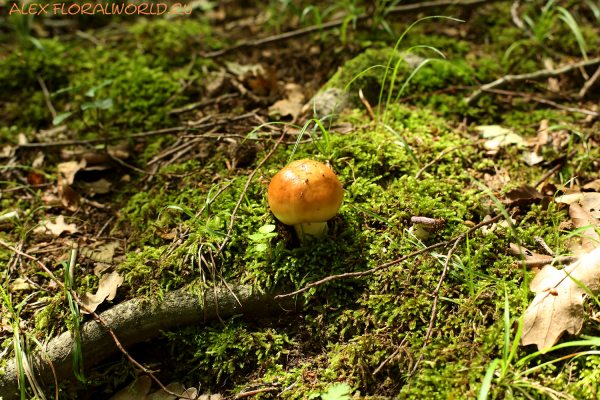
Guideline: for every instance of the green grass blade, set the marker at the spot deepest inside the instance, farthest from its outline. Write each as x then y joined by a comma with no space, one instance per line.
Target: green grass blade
406,147
487,380
567,18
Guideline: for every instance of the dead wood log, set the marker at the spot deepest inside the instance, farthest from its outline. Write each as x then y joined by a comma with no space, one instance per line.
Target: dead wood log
135,321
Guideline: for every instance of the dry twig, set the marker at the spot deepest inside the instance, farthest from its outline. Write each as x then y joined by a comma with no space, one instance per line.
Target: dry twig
547,261
46,95
392,356
544,101
542,74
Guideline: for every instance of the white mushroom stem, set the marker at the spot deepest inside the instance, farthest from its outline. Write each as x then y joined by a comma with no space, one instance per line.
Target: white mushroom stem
311,228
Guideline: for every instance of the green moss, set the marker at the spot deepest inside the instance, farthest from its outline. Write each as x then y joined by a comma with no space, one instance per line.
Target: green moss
216,351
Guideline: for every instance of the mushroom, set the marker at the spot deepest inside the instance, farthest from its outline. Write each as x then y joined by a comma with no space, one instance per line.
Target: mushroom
305,194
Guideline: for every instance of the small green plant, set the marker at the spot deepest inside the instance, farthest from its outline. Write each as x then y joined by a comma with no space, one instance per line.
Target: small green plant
21,25
263,237
69,268
20,346
340,391
541,29
97,105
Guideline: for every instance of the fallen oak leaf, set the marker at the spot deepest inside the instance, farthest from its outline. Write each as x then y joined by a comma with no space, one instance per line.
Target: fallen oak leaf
56,228
107,290
558,305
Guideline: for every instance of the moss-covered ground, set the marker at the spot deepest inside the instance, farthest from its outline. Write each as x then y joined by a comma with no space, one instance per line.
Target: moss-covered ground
343,330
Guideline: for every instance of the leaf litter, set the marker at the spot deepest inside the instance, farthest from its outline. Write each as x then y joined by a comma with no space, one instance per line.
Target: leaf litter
107,290
140,388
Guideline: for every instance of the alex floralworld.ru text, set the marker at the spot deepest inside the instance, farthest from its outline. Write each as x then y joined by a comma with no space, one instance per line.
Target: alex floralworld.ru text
107,9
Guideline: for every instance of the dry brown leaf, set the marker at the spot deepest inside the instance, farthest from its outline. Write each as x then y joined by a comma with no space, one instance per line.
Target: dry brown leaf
528,255
98,187
56,227
558,305
136,391
70,168
593,185
103,253
589,239
294,92
107,290
590,203
286,107
142,387
68,196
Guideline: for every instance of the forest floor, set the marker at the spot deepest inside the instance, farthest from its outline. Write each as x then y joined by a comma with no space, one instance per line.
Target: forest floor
144,147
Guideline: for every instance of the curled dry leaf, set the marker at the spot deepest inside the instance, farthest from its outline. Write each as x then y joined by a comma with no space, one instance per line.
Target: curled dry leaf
558,305
107,290
56,227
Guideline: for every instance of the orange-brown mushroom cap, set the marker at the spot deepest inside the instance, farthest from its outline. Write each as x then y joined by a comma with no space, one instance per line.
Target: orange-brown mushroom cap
305,191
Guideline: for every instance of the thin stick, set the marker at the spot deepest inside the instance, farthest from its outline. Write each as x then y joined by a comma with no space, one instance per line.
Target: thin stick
442,154
237,206
542,74
366,103
46,95
389,264
103,140
339,22
547,175
104,227
545,101
448,89
252,393
589,84
540,240
99,319
202,103
392,356
547,261
435,302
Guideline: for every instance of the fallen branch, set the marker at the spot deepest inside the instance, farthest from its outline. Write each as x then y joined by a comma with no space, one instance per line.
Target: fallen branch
544,101
110,139
542,74
202,103
389,264
135,321
418,7
548,175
